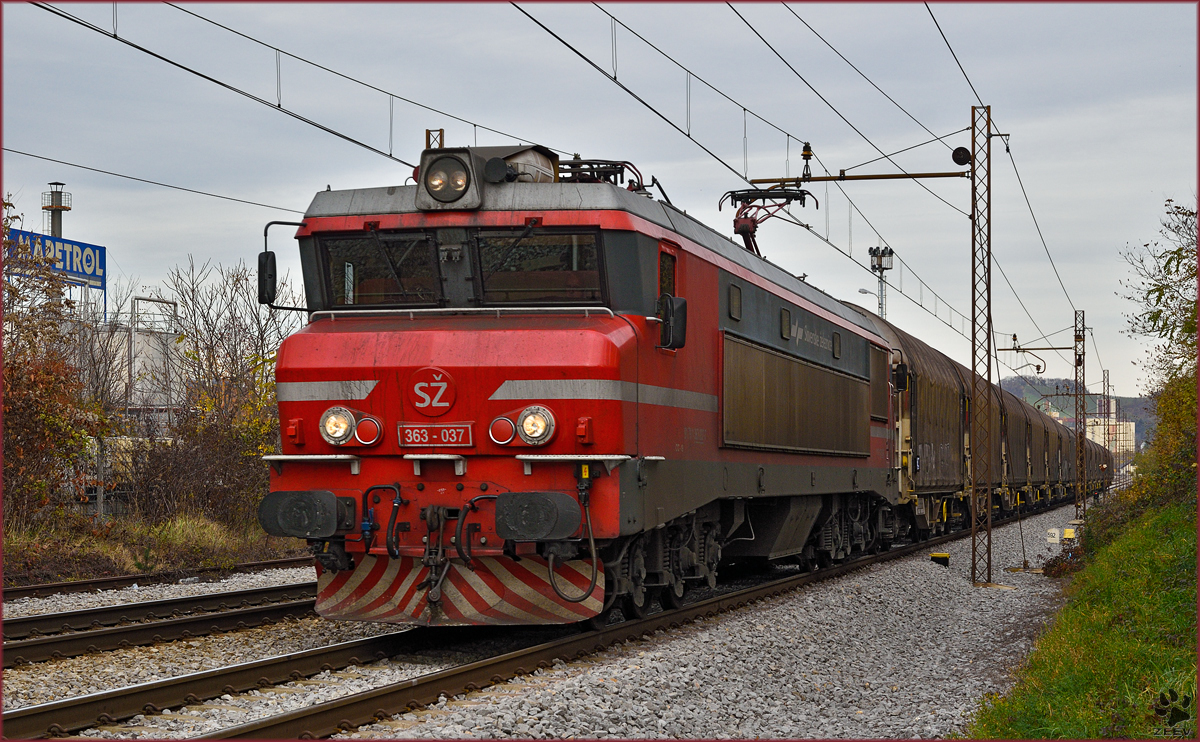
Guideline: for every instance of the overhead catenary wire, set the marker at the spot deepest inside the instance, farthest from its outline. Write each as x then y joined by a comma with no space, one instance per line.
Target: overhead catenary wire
358,81
836,111
790,219
1008,151
1012,288
632,94
75,19
690,74
854,206
862,74
894,102
906,149
151,182
960,67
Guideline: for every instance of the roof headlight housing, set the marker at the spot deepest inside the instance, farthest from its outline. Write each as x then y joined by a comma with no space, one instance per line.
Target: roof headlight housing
535,425
448,179
337,425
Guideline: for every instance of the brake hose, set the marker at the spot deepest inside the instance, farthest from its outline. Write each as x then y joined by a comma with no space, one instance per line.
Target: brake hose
587,511
465,553
369,527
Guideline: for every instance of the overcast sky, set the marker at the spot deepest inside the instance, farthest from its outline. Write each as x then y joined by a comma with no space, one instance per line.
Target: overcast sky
1099,100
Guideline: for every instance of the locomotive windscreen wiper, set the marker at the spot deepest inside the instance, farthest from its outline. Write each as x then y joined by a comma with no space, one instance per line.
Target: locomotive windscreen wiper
388,259
508,252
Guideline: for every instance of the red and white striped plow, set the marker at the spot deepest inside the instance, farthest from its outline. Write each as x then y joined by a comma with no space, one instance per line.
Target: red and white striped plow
500,590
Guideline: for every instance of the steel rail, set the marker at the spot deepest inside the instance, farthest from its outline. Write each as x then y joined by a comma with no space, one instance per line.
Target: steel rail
110,615
22,651
59,718
360,709
114,583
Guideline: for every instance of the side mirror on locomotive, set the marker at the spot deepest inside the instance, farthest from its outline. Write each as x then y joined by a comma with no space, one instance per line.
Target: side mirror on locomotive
672,310
267,283
267,272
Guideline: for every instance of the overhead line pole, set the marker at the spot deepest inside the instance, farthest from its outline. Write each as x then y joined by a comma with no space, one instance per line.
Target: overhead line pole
1080,419
979,451
1080,395
979,464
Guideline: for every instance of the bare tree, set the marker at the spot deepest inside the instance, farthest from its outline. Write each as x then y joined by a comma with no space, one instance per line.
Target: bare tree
217,366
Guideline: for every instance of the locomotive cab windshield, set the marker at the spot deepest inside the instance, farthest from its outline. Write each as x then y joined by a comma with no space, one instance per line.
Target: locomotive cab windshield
459,267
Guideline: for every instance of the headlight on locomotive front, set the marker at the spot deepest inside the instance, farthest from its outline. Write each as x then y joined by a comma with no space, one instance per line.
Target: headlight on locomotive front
337,425
535,425
447,179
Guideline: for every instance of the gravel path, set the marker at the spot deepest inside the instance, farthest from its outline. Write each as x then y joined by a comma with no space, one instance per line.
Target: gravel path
141,593
905,649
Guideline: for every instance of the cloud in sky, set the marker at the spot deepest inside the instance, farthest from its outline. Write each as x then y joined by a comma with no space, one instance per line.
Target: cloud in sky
1099,100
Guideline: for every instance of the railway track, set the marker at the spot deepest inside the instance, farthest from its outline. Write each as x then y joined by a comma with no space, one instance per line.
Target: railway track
114,583
363,708
76,632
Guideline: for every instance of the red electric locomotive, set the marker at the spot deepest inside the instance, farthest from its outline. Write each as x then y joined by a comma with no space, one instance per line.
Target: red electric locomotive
528,392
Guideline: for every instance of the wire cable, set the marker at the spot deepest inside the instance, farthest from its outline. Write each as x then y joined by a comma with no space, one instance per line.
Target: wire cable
790,136
151,182
836,111
632,94
1008,150
353,79
960,67
1038,226
906,149
1097,347
936,138
791,219
74,19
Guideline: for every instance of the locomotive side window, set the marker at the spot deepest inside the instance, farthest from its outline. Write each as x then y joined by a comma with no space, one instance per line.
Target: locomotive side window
520,268
382,270
837,345
666,274
735,302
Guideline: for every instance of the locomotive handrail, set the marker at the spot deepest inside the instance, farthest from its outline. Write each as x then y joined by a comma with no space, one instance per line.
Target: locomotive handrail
335,313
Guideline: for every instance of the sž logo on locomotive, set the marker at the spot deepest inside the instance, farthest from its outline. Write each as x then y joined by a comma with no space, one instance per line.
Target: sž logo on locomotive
431,391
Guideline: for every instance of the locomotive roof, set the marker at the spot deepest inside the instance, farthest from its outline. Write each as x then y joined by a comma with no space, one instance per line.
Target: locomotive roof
590,197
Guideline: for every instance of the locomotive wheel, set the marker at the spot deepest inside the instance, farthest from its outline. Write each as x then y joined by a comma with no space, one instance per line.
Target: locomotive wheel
630,607
672,595
601,619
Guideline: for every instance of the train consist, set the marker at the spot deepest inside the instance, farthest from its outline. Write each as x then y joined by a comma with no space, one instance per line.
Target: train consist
529,392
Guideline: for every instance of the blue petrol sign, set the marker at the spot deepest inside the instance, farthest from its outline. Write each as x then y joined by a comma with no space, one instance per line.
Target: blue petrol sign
79,262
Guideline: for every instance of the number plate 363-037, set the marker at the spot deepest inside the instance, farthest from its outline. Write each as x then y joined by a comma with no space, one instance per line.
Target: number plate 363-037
448,434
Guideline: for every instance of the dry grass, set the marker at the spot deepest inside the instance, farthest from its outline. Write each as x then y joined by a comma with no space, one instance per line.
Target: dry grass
74,547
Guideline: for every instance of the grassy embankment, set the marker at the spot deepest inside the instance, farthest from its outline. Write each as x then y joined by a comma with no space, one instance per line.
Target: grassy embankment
1126,634
73,549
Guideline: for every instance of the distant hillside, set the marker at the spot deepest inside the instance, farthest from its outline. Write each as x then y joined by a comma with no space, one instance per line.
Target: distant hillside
1057,392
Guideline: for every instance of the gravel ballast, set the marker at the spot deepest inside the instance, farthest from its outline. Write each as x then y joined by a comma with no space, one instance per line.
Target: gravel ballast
903,649
161,591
